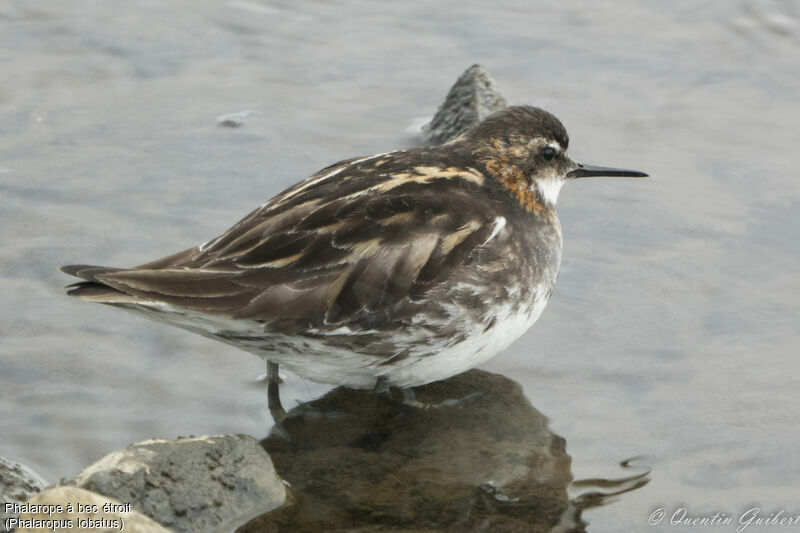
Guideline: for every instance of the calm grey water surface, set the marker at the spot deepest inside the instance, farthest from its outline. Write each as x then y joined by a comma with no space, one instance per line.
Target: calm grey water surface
673,332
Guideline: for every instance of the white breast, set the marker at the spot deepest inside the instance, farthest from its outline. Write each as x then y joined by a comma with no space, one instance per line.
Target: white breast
480,346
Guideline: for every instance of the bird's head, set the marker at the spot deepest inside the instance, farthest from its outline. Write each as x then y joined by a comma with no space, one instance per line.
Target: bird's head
525,149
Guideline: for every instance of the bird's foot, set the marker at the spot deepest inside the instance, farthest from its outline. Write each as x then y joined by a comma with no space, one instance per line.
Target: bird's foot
410,402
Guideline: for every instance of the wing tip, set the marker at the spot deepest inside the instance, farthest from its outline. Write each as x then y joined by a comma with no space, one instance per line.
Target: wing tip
99,293
73,270
88,272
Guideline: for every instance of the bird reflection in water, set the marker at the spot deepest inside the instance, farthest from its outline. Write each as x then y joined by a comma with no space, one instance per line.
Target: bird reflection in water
357,462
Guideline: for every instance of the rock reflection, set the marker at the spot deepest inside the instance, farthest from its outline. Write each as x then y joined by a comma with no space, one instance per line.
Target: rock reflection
357,462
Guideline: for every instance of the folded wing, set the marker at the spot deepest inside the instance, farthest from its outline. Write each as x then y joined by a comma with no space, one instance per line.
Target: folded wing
346,242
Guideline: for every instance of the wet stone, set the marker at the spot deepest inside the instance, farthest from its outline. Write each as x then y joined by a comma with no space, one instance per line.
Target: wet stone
357,461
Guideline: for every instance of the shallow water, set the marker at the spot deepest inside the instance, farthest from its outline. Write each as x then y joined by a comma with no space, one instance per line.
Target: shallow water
672,332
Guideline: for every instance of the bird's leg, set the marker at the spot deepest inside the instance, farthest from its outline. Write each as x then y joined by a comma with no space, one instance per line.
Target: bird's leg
382,387
273,393
409,402
383,390
410,399
408,395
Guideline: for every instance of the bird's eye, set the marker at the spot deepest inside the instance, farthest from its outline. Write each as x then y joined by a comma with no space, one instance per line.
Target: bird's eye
548,153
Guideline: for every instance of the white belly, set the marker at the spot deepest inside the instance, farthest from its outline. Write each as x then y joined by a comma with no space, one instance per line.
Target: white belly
426,361
474,350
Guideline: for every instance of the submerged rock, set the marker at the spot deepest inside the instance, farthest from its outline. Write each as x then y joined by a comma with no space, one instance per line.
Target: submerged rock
235,120
473,97
356,461
190,484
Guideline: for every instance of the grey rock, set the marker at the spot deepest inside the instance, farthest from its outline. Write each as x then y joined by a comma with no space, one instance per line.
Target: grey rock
190,484
235,120
17,484
473,97
78,508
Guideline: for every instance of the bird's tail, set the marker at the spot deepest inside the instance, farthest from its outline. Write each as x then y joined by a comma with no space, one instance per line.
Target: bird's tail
94,290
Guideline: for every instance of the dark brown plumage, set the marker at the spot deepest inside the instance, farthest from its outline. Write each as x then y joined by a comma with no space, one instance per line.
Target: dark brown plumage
409,266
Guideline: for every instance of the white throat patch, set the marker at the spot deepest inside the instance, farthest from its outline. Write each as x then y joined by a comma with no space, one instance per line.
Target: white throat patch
549,188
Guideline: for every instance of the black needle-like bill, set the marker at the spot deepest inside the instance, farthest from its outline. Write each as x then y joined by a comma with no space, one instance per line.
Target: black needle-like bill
586,171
